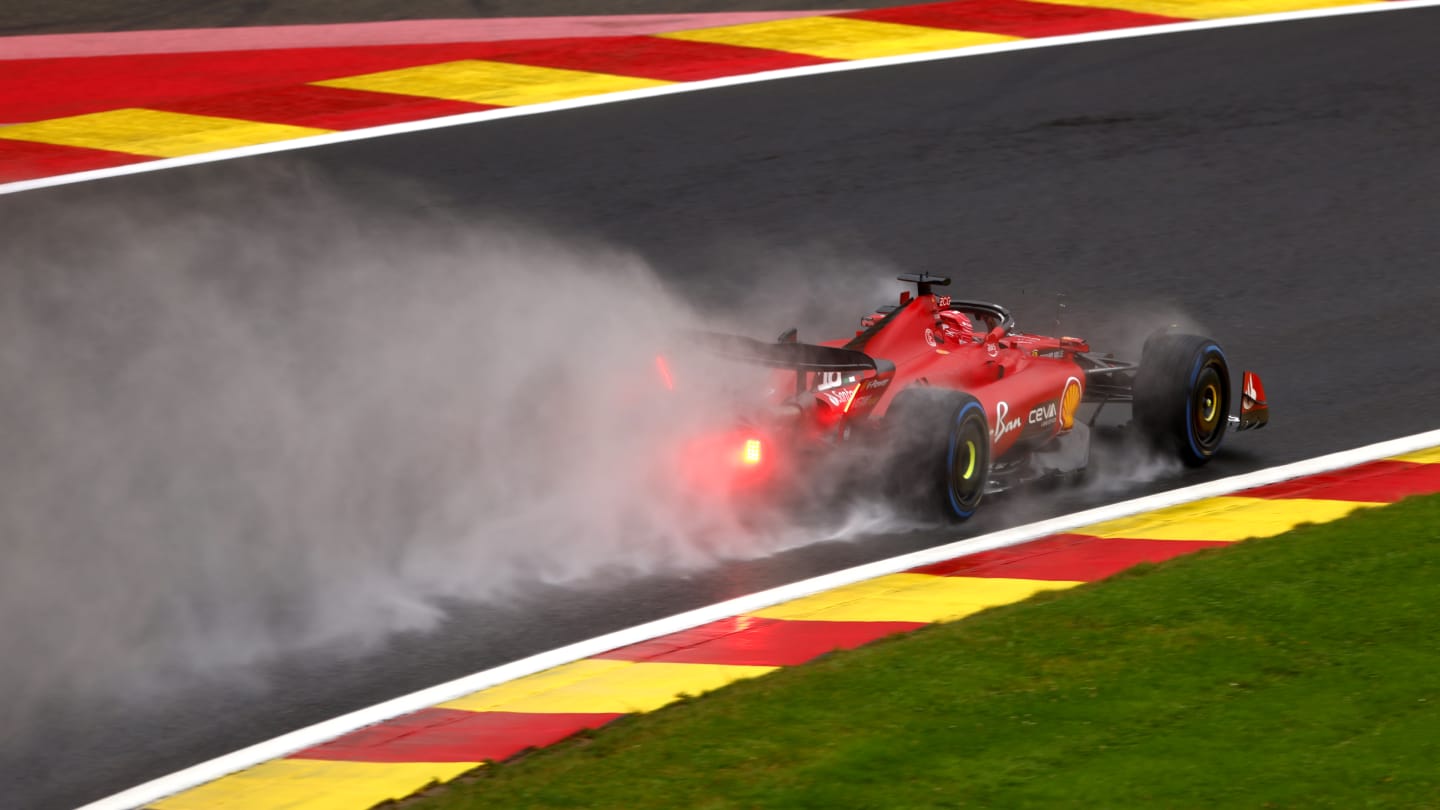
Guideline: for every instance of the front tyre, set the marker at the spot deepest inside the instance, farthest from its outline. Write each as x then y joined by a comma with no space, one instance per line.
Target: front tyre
1182,395
941,445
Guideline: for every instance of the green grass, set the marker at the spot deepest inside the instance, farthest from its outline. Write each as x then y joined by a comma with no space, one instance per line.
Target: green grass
1299,671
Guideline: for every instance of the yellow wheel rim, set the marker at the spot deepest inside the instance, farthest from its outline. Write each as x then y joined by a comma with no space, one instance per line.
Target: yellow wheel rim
970,449
1209,405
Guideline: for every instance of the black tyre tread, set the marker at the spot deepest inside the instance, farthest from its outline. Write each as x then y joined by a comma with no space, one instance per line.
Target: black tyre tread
1162,392
921,420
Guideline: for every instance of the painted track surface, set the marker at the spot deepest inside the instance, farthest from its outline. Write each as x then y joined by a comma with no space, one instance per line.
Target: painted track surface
390,759
1292,193
161,99
86,16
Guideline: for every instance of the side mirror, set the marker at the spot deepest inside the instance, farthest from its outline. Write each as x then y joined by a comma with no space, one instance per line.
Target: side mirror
994,335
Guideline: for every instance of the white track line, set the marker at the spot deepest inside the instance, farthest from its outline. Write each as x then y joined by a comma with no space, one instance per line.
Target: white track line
692,87
425,698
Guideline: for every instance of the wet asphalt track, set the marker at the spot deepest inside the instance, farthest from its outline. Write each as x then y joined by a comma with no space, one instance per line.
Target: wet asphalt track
1279,183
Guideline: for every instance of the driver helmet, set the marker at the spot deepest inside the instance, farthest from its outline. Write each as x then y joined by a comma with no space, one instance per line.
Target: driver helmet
956,325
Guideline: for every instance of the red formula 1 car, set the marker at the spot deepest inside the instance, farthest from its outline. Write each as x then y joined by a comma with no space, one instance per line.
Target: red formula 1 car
951,402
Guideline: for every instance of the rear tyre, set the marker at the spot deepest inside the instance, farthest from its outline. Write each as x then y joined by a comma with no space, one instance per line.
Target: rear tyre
941,445
1182,396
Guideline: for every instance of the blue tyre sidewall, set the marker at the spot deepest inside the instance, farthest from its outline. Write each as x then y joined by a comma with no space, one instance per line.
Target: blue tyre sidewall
954,445
1202,359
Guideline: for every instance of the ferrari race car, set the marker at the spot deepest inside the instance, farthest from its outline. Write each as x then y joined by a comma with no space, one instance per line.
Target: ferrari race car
951,402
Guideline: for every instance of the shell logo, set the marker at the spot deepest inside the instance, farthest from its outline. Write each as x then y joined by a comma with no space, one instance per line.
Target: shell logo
1070,402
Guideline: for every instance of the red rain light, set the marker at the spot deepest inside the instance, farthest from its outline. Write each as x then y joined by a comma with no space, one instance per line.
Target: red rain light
664,369
751,454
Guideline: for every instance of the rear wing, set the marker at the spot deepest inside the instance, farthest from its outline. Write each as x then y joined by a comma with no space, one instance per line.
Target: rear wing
799,357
